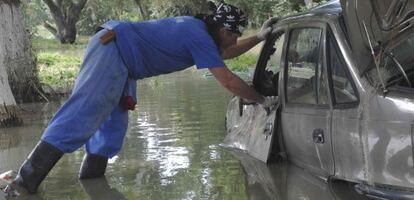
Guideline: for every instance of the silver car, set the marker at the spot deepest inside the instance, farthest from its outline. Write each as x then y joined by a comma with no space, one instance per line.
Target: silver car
344,75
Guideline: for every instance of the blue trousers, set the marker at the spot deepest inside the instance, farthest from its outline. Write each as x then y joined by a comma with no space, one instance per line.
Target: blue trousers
93,115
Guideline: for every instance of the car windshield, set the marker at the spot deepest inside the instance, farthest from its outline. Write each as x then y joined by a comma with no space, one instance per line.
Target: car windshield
396,66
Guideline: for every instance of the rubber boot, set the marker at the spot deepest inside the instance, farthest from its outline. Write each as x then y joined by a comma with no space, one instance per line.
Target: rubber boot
93,166
34,170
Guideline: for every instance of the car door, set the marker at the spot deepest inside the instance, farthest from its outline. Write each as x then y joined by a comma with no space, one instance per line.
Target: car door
306,113
249,126
348,151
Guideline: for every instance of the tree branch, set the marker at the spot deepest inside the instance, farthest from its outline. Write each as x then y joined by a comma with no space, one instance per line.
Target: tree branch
76,9
51,29
79,6
52,6
54,9
144,14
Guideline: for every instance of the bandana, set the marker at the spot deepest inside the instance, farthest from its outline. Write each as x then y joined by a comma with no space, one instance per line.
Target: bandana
231,18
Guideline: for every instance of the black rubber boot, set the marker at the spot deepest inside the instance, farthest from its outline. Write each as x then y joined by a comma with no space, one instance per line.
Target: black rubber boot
93,166
34,170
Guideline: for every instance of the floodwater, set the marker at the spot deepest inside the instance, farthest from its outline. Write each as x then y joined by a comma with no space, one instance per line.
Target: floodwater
171,151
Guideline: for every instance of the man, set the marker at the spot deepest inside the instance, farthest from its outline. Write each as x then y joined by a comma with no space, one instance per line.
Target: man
120,53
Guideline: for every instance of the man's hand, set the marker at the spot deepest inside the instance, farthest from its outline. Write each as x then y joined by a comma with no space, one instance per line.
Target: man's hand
269,102
266,28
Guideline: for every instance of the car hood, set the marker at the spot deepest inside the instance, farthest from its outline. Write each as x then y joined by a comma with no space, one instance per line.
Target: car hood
387,22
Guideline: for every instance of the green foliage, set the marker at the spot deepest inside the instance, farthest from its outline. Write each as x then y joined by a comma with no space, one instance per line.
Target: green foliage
289,7
34,14
260,11
57,69
98,12
242,63
41,44
130,16
58,64
168,8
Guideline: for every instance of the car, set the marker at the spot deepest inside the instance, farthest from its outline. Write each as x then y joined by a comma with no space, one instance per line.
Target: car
344,76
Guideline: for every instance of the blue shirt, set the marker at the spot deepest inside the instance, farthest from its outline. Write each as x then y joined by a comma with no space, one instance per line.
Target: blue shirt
154,47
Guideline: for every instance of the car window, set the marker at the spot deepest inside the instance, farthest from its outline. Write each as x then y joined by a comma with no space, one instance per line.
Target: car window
304,71
273,64
267,82
343,90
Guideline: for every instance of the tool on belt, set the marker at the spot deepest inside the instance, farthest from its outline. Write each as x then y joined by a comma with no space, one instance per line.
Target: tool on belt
107,37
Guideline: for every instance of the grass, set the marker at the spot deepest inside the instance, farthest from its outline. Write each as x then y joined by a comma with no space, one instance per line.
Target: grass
247,60
58,64
41,44
242,63
56,69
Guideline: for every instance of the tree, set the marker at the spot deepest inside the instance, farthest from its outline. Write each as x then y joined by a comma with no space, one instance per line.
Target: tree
65,14
143,9
8,108
97,12
168,8
34,14
17,53
10,28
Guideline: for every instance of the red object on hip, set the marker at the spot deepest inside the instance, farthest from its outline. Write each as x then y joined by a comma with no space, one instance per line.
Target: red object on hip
128,103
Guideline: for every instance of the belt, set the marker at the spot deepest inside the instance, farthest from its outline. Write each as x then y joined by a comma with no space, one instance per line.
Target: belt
108,37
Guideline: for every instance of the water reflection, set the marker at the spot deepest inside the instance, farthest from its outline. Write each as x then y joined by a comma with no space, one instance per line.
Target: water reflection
99,189
281,180
171,151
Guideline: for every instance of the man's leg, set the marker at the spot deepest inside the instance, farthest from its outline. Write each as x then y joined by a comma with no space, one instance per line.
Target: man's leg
97,91
105,143
35,168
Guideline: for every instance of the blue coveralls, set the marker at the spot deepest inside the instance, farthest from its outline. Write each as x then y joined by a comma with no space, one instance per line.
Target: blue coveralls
93,114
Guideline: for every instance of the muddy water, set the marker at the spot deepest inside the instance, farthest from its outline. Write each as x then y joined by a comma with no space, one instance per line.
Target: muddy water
171,151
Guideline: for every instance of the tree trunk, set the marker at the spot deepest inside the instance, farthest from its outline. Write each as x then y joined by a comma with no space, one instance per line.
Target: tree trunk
65,14
15,53
8,109
142,9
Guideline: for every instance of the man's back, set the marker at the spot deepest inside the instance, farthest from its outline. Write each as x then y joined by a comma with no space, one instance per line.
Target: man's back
163,46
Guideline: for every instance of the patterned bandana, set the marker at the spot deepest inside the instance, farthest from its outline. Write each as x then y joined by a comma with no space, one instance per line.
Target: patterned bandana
231,18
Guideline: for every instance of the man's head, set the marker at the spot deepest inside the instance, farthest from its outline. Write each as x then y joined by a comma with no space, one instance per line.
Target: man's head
232,22
230,18
225,24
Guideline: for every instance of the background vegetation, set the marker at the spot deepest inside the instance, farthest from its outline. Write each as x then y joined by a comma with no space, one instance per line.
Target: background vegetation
95,12
59,56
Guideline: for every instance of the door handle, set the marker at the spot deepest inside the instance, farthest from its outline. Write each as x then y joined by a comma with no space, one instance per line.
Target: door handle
268,129
318,136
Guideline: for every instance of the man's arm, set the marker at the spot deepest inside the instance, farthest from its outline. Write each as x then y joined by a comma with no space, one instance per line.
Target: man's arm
244,45
240,47
235,84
